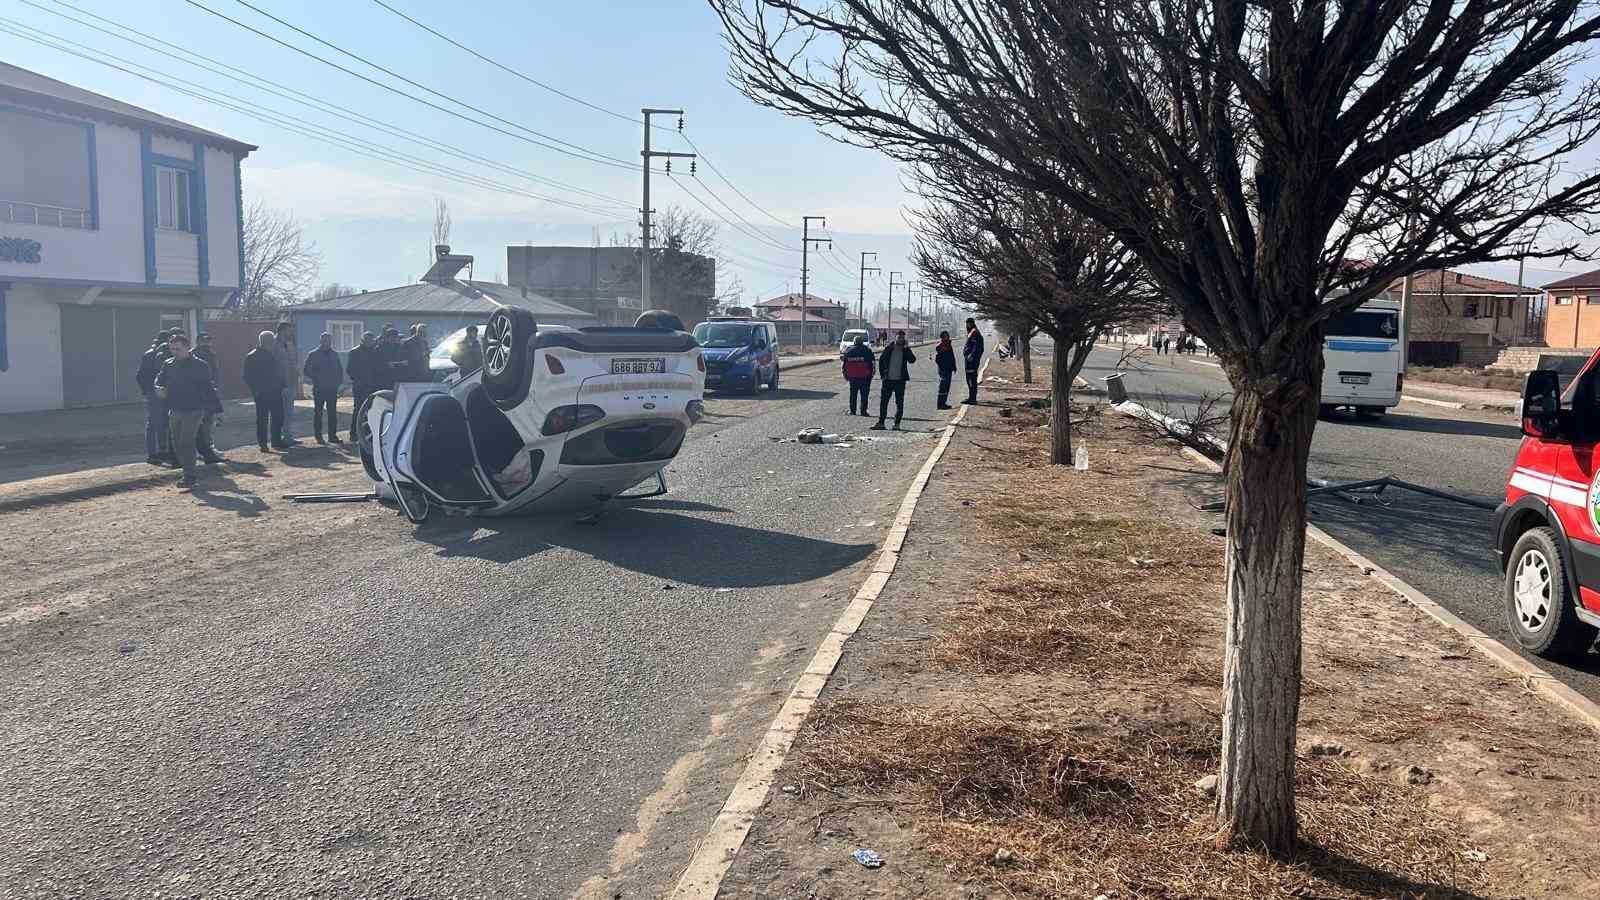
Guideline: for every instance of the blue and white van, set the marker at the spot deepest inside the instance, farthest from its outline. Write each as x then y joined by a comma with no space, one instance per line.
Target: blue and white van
1362,367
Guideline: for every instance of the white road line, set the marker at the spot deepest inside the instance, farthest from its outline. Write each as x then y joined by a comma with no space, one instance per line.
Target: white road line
718,849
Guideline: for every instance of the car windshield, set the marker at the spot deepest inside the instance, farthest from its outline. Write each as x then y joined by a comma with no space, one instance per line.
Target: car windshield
851,335
449,345
723,334
1365,324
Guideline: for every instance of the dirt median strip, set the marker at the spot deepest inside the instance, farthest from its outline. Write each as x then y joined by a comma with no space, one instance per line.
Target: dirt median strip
1032,710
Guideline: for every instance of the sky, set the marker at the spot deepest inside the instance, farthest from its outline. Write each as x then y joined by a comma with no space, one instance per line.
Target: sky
371,216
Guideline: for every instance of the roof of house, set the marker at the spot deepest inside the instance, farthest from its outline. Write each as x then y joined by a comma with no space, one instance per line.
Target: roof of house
812,300
32,88
450,297
1427,282
1586,280
792,314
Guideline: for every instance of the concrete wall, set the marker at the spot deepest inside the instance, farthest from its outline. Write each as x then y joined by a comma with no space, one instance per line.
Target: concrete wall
33,344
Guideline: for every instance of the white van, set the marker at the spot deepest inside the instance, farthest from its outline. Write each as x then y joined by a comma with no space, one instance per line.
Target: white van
1361,364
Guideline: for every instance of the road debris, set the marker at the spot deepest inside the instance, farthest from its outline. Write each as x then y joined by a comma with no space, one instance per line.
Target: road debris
868,858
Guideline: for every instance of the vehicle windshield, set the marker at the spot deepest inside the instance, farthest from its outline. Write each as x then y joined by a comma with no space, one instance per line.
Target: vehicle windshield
1366,323
449,345
851,335
723,334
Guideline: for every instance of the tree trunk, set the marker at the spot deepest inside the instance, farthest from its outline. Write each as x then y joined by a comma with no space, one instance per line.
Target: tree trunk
1270,438
1061,373
1027,358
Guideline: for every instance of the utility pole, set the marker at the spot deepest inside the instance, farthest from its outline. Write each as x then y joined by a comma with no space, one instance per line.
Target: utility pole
645,211
908,306
806,240
892,277
861,294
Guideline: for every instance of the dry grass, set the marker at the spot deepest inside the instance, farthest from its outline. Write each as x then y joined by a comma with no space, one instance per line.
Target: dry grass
1076,812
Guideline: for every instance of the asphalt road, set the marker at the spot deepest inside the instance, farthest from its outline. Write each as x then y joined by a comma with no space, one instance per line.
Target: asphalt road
234,696
1439,547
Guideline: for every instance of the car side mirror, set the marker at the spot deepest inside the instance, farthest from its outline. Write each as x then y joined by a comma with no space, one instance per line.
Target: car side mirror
1541,404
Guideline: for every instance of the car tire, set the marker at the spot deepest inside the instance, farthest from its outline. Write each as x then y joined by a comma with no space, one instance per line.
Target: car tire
365,439
508,356
1540,602
1369,413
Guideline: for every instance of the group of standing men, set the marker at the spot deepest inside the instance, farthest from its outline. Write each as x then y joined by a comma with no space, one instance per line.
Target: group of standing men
1185,344
893,367
181,402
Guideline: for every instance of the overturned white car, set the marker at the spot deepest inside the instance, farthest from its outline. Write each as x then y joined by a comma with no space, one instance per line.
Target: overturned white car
557,418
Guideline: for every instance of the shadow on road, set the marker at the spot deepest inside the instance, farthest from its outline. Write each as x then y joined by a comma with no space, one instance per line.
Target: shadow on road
225,494
655,542
1394,421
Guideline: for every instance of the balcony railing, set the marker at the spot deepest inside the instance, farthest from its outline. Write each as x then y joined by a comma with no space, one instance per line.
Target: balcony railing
43,214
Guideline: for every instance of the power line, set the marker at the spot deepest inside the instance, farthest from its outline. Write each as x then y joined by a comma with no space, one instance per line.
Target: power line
278,89
745,230
609,161
286,121
718,173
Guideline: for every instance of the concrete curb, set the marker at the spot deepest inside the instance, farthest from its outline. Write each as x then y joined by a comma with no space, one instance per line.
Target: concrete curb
1447,404
712,859
1583,709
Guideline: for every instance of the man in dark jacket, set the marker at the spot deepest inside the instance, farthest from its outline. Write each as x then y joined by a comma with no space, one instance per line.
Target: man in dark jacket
858,364
366,375
287,355
157,443
263,372
894,368
185,383
326,375
205,442
468,355
944,356
391,360
972,355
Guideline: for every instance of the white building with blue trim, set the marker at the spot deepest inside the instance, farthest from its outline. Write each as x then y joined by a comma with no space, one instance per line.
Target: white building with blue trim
115,223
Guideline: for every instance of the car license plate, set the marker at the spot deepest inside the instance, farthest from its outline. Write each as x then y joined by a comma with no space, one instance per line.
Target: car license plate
638,366
1355,379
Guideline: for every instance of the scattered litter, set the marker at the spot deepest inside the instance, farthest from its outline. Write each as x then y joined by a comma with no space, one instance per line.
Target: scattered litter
1452,656
1476,856
1080,459
1207,786
868,858
789,789
724,590
809,436
1005,413
1004,857
669,587
1418,775
1328,748
1220,532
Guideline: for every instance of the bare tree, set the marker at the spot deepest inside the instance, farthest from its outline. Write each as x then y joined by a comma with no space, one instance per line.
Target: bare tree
683,265
334,289
1272,165
280,262
1031,264
441,225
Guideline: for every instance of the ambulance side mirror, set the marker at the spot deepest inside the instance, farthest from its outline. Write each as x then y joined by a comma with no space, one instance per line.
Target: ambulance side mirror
1541,404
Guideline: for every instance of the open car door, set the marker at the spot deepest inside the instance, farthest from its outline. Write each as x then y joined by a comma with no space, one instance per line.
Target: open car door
426,455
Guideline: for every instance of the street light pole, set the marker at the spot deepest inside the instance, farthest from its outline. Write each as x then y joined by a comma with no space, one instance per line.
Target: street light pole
806,240
645,211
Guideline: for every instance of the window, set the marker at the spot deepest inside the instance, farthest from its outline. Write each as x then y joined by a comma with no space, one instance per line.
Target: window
1469,309
1365,324
172,199
1563,301
346,335
1591,299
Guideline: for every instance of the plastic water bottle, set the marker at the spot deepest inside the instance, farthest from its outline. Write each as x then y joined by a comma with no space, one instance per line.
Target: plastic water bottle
1080,459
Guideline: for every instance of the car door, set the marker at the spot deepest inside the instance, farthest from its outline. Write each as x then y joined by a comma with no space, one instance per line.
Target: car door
1574,491
433,450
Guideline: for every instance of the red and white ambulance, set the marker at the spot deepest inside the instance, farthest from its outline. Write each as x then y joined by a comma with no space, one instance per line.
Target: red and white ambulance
1547,532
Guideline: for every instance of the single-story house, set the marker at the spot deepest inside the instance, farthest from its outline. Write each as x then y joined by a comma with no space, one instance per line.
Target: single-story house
820,328
440,301
828,309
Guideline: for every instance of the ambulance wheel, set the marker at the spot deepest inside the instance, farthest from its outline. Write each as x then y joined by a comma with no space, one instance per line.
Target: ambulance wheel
508,356
1540,602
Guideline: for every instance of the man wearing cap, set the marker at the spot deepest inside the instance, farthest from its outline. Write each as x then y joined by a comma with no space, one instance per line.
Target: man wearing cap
205,442
185,383
366,376
157,446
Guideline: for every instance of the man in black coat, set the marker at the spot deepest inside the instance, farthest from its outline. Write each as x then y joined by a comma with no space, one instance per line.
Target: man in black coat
205,442
972,355
263,372
894,368
366,375
157,442
326,374
416,354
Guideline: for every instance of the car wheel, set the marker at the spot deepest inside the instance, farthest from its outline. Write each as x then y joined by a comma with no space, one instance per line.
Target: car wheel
508,356
1540,602
1369,412
366,441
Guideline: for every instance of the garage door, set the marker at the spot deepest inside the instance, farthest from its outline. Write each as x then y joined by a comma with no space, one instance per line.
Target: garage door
101,347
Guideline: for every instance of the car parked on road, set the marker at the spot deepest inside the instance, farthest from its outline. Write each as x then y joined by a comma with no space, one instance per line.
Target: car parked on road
1547,532
1361,367
741,354
849,339
556,418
